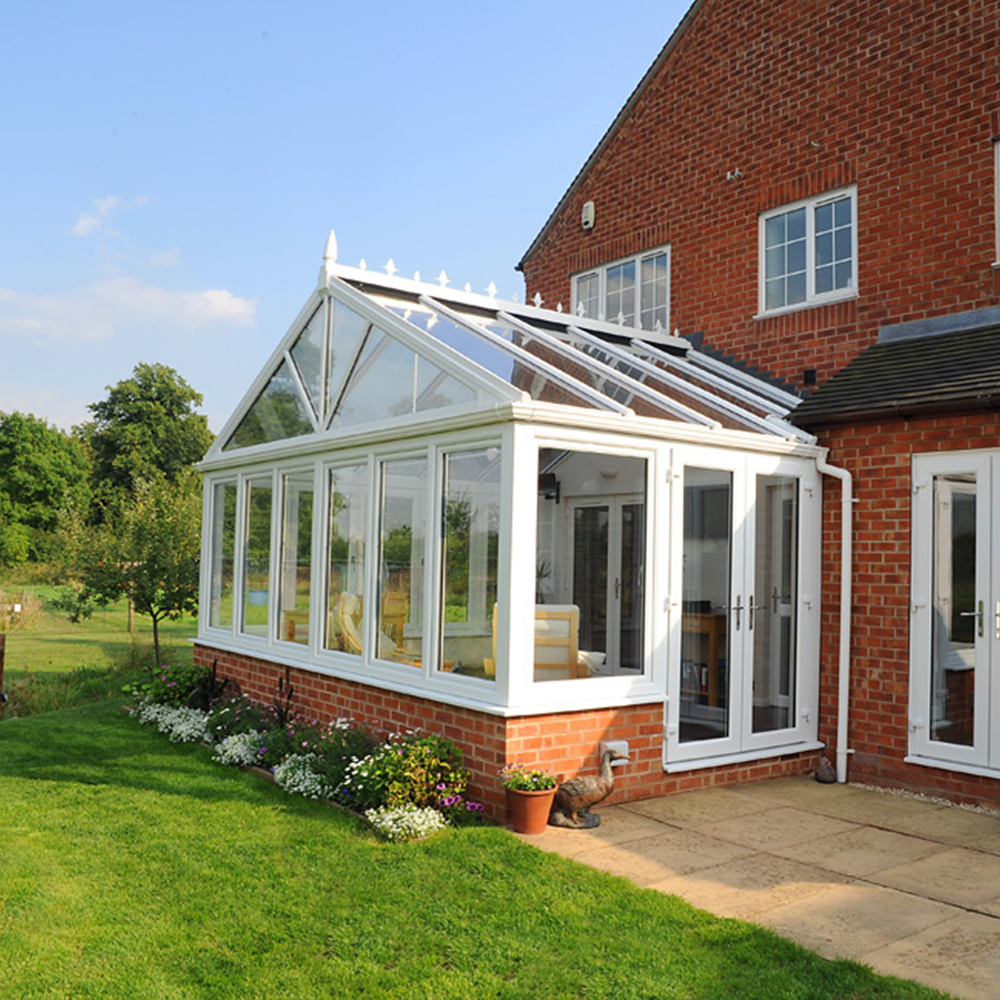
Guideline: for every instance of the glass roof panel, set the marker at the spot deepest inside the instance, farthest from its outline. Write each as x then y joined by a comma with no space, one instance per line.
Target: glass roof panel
348,334
390,380
512,368
279,412
307,353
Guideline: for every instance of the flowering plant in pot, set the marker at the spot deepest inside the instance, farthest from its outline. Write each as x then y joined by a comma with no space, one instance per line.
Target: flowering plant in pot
530,792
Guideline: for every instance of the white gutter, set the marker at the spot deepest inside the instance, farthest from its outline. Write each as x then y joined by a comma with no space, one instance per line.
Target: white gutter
844,670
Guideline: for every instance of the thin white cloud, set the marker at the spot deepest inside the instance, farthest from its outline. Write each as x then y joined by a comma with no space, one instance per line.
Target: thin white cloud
119,305
104,208
165,258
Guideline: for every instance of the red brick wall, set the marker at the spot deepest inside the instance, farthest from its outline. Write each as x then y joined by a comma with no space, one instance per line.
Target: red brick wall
564,743
803,96
879,457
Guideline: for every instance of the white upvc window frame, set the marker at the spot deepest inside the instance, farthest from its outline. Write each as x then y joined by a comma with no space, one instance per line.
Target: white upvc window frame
595,281
813,297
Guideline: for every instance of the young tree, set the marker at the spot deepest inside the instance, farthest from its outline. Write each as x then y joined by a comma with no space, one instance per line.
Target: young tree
148,550
146,427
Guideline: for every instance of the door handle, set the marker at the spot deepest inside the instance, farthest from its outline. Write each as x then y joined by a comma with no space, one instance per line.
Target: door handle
978,615
760,607
737,608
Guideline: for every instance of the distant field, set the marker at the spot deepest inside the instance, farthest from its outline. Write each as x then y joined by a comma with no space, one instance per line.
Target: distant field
54,644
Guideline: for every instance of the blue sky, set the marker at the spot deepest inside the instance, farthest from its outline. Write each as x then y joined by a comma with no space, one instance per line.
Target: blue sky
169,172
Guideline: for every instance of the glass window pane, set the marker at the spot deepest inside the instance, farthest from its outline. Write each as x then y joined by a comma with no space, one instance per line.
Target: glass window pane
279,412
954,622
824,218
774,231
307,353
590,586
620,296
223,555
842,212
707,555
795,290
796,222
774,294
824,280
844,274
296,557
257,557
824,248
796,260
402,542
842,244
774,603
391,380
346,559
774,262
588,296
471,518
346,339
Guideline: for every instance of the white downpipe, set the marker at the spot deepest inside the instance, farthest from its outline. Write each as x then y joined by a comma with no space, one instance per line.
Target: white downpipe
844,672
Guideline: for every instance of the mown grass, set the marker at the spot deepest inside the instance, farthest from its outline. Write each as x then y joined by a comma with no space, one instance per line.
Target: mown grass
132,867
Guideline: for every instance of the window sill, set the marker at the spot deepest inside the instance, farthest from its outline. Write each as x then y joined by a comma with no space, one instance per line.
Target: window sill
803,306
949,765
745,757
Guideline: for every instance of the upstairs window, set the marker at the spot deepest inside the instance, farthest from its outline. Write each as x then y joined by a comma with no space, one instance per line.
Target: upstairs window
809,252
634,292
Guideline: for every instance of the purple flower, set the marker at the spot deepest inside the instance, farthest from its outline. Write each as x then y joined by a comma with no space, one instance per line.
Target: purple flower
262,751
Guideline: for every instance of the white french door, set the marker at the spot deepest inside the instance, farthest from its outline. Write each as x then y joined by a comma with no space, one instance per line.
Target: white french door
609,546
743,673
955,639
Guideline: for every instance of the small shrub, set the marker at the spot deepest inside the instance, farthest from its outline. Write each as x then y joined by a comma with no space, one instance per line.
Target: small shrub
170,684
405,822
297,775
237,715
75,603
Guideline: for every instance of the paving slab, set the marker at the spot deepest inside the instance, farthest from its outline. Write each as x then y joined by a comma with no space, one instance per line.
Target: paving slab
654,859
694,808
961,956
748,886
777,827
850,921
957,875
618,826
861,851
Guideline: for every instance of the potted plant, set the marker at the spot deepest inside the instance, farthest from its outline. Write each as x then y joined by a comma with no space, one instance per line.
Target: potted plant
530,792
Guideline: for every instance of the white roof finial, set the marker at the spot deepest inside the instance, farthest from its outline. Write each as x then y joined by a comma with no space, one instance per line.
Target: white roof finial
330,253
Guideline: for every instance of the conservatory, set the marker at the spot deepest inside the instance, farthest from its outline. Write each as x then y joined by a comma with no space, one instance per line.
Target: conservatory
521,526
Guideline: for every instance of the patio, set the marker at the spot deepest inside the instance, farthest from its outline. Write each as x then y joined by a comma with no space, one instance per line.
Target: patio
908,886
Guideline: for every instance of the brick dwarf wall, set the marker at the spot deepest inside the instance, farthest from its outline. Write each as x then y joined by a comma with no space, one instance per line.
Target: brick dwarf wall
879,457
802,97
565,743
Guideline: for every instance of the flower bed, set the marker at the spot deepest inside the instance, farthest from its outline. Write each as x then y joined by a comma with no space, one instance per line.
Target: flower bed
405,784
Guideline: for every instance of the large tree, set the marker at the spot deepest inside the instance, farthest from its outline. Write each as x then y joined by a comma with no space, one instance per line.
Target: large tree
42,470
146,427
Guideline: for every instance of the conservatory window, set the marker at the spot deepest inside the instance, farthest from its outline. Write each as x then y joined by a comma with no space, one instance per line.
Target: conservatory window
278,412
634,292
402,544
470,549
257,556
296,556
223,555
590,565
307,353
346,558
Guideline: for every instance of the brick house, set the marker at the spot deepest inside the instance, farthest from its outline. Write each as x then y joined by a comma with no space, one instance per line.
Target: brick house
822,179
770,298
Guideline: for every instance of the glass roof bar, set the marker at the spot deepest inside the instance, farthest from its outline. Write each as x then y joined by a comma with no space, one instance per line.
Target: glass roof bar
709,398
599,399
728,373
771,422
630,383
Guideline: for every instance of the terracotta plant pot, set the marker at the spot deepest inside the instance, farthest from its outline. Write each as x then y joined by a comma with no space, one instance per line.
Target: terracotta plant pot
530,810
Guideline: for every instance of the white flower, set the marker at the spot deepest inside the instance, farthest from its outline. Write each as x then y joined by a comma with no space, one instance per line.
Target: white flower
181,724
241,749
296,776
405,822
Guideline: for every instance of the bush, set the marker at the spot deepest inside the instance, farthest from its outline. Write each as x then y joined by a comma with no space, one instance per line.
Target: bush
169,684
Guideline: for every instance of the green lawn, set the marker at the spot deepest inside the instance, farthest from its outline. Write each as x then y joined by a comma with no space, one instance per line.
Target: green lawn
54,644
134,868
